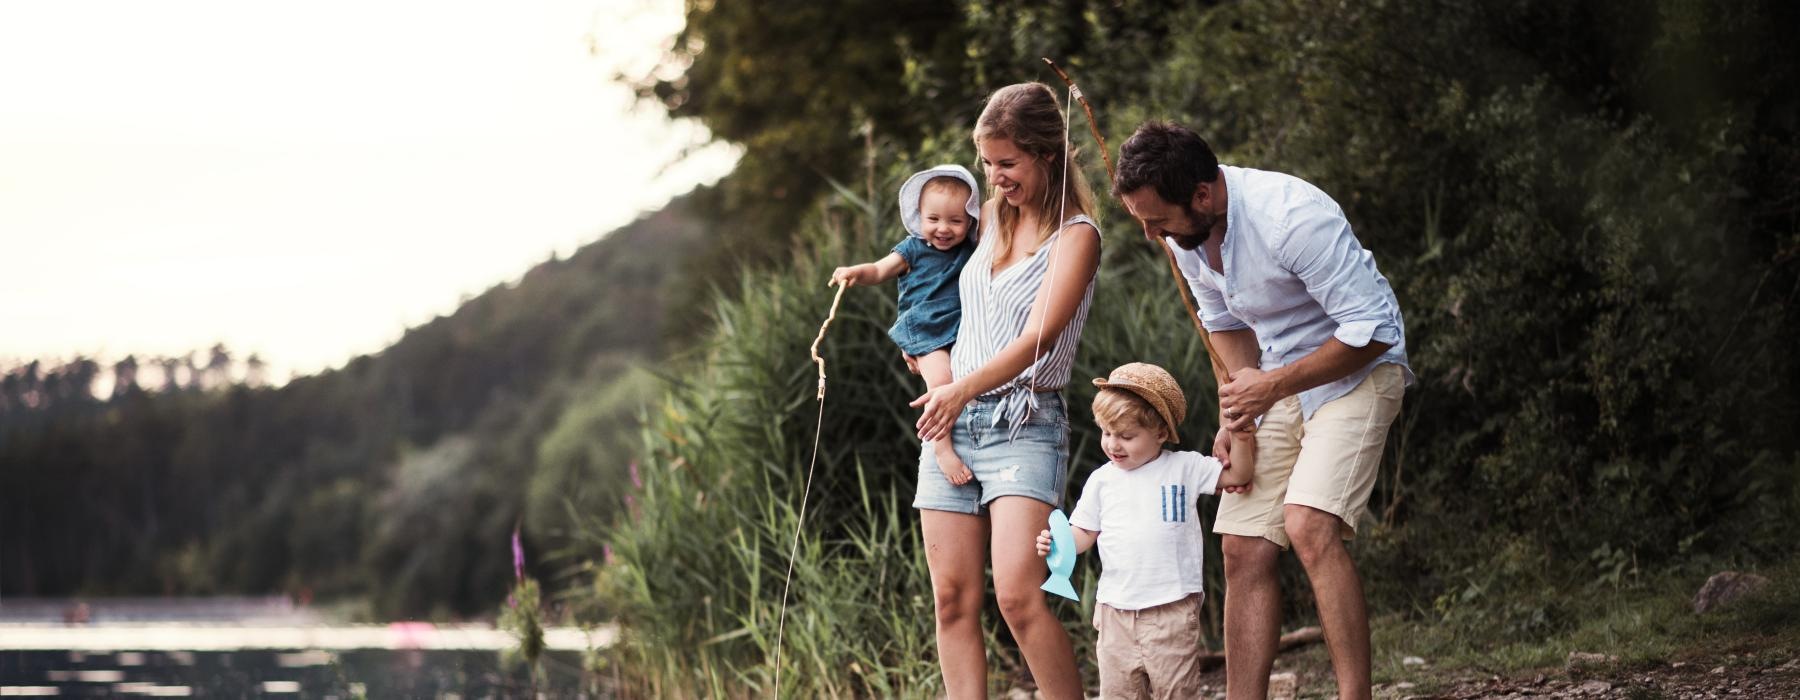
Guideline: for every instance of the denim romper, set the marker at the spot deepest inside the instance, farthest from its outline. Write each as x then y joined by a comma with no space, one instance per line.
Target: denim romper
930,305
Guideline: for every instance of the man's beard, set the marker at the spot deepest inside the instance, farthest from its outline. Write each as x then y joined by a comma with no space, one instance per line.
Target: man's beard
1201,226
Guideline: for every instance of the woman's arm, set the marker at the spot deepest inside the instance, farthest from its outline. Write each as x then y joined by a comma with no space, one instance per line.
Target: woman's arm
871,273
1077,259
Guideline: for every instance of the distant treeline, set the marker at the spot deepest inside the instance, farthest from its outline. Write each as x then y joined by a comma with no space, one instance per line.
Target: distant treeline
396,479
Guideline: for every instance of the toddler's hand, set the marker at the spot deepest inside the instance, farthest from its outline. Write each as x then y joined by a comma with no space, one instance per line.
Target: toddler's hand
847,276
1043,543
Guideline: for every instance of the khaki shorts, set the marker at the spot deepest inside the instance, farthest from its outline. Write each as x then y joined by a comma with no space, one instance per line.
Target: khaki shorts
1150,653
1328,463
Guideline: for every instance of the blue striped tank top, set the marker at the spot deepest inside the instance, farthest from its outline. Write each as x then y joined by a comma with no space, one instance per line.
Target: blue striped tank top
995,308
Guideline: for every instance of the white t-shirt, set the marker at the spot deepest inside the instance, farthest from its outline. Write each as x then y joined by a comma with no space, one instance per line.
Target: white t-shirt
1150,536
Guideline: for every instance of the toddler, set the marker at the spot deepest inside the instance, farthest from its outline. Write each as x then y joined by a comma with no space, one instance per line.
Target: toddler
938,207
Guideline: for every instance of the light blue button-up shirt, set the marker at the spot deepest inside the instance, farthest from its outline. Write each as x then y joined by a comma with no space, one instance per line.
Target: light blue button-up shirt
1296,275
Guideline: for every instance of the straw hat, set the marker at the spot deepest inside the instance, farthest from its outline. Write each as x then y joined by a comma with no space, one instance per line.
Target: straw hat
914,188
1155,386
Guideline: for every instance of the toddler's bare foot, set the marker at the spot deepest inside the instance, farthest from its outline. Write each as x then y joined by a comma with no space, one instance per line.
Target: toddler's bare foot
951,465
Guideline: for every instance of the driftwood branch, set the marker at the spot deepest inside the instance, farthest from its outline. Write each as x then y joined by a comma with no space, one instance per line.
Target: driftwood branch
1292,640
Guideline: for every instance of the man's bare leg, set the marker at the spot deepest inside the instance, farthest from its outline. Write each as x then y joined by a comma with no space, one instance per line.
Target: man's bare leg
1343,613
1252,614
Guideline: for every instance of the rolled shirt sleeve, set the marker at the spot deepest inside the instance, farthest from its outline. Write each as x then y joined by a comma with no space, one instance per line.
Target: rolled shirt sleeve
1213,314
1339,274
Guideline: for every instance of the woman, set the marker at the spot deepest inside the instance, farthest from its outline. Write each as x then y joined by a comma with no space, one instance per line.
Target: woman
1025,296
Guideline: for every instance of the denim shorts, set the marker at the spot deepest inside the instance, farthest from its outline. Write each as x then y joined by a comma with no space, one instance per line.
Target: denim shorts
1034,464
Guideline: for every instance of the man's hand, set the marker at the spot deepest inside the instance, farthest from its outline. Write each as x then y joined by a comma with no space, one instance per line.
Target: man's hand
1043,543
1249,394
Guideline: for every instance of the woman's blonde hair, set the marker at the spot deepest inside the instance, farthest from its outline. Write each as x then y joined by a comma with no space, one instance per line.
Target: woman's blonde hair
1118,409
1030,116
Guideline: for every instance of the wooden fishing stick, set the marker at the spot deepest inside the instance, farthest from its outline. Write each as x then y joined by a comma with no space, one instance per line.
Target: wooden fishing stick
1220,375
805,491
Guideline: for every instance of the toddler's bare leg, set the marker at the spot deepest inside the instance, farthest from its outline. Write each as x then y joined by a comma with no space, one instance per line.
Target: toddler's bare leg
935,368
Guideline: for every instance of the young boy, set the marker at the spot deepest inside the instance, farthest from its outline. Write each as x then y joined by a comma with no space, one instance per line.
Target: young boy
1140,508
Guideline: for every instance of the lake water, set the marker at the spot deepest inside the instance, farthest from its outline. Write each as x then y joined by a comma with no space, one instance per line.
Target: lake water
299,673
268,648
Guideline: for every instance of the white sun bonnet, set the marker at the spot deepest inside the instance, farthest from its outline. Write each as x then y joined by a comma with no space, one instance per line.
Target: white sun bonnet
911,190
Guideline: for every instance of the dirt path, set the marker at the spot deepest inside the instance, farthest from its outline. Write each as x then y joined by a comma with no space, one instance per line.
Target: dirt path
1750,676
1732,676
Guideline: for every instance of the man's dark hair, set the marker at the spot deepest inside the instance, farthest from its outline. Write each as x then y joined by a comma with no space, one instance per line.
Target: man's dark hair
1168,157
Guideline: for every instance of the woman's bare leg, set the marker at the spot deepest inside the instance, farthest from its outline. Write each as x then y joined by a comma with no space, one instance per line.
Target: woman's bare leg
1018,573
956,552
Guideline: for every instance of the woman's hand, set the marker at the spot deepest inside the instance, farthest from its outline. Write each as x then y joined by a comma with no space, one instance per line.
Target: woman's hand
941,407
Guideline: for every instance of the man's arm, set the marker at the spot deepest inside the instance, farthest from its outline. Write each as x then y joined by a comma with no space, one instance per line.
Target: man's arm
1322,251
1251,392
1238,351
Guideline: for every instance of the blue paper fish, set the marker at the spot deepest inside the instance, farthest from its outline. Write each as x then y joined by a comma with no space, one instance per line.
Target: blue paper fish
1062,557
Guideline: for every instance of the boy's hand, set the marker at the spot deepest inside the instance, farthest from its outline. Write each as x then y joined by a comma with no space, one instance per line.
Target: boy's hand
1043,543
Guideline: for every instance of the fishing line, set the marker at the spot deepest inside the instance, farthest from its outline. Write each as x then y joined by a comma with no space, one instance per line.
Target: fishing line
818,426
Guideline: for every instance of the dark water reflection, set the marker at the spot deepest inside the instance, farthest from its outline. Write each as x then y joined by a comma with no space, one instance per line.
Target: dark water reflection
287,674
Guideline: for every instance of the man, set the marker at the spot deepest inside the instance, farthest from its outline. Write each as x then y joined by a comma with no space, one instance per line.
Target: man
1313,340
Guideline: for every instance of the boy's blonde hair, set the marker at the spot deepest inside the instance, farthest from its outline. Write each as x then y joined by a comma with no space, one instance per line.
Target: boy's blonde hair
1117,409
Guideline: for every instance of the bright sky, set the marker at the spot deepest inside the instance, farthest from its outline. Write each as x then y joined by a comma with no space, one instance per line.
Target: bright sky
304,180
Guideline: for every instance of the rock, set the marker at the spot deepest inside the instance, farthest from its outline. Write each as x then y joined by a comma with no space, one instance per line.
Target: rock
1584,658
1283,686
1725,588
1717,671
1405,685
1678,664
1594,687
1412,661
